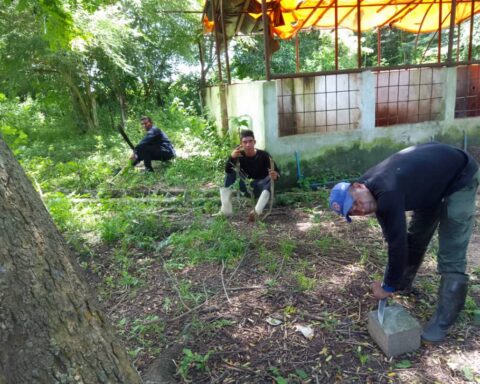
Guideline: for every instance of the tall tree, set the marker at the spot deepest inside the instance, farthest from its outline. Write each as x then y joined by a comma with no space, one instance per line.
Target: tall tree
52,329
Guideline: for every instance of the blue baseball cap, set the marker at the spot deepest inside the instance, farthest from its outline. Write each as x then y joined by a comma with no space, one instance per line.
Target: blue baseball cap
340,200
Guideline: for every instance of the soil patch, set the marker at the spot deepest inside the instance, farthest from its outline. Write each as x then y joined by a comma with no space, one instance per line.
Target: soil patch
248,321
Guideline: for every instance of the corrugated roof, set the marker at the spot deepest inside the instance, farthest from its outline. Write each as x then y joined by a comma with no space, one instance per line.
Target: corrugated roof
288,17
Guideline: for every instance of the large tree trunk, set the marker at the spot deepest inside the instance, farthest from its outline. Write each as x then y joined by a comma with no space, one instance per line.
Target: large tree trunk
51,328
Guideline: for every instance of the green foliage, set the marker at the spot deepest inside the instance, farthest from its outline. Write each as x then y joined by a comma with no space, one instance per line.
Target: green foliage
325,243
59,207
142,329
304,283
134,227
279,379
317,53
403,364
362,356
192,361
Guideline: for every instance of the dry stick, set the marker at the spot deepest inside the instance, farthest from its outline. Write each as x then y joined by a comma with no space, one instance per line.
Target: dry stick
120,301
185,313
206,300
272,191
246,288
39,190
175,287
281,267
238,265
223,282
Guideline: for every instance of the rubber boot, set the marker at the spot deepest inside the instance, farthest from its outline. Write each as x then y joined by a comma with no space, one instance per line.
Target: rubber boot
226,200
260,206
451,299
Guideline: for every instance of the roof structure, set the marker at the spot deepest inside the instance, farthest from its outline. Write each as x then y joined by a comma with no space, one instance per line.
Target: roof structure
287,17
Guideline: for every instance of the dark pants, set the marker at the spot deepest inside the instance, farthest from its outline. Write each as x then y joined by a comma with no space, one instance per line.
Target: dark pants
454,218
148,153
256,186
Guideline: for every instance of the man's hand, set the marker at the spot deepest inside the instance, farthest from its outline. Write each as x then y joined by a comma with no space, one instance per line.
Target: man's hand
378,292
237,152
273,174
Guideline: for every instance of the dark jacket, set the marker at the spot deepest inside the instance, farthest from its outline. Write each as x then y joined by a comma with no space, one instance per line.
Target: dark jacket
418,177
255,167
156,137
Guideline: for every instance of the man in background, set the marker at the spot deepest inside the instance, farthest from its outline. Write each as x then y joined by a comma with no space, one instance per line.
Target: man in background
155,145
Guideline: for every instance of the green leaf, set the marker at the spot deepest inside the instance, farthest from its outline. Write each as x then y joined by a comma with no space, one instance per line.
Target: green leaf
403,364
301,374
468,373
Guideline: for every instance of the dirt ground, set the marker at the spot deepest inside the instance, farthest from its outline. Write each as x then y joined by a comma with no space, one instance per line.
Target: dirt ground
253,326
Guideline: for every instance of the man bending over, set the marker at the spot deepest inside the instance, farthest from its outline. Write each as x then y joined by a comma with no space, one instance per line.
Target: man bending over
439,184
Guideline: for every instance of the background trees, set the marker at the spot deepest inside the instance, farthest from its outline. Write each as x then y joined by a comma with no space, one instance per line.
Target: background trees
86,56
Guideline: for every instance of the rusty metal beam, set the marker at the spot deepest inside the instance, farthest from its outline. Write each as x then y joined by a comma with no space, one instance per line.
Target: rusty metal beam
217,42
225,43
266,39
297,54
359,34
440,22
470,43
379,46
451,33
242,16
421,25
336,35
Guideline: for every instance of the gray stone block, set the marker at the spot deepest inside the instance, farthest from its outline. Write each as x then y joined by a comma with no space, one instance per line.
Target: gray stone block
399,334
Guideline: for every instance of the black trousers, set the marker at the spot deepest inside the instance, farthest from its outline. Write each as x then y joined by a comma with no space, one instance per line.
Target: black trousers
258,185
147,153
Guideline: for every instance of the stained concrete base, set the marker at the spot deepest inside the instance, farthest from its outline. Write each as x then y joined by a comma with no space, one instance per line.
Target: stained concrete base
476,317
399,334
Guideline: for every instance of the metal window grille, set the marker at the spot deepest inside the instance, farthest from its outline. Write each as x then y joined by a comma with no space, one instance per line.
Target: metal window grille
318,104
467,102
408,96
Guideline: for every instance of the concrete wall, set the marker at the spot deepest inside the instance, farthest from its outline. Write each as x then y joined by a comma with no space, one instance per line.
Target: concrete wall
346,151
245,101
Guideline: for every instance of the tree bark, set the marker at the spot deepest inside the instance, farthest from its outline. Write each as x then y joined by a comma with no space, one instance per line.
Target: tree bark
51,327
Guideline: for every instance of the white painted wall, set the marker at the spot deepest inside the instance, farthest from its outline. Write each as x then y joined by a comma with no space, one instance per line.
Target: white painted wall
258,101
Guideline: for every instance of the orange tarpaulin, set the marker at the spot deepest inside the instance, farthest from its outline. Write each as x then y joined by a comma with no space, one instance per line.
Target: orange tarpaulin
287,17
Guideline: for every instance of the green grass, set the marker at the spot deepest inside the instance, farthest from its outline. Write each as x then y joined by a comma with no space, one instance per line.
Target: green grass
215,240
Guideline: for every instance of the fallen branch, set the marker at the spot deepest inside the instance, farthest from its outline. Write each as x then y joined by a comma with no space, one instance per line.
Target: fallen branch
175,287
246,288
223,282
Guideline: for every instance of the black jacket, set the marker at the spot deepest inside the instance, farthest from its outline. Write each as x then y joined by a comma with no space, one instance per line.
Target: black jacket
156,137
255,167
417,177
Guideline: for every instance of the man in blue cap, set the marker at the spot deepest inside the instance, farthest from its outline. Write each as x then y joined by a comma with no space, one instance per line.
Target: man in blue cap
439,184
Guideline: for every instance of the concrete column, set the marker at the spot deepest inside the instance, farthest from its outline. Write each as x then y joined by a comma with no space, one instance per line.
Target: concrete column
367,103
270,114
450,92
